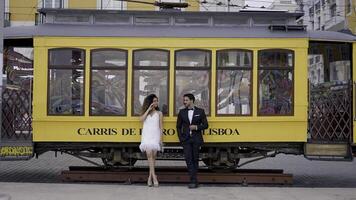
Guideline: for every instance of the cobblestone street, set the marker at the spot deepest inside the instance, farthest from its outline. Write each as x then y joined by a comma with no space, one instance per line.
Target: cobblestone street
47,168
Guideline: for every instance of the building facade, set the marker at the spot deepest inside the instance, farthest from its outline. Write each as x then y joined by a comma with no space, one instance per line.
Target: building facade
24,12
289,5
331,15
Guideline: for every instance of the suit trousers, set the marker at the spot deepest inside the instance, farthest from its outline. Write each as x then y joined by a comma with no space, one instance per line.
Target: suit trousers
191,154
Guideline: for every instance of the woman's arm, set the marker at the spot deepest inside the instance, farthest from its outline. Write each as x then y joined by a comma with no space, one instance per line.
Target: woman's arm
161,124
144,116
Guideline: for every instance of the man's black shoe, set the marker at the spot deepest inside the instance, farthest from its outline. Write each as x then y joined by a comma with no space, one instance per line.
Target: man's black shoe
192,185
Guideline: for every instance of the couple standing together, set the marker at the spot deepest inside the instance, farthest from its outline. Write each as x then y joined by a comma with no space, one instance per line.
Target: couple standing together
191,122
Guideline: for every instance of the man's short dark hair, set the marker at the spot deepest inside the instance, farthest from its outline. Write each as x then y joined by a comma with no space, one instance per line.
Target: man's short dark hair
190,96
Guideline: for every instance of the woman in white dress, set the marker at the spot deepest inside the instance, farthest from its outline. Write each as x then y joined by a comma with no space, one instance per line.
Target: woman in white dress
151,138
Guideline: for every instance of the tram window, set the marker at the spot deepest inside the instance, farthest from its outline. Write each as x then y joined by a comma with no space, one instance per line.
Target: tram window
151,75
275,82
18,66
193,58
152,58
108,82
332,63
65,57
66,82
108,58
192,75
234,76
275,58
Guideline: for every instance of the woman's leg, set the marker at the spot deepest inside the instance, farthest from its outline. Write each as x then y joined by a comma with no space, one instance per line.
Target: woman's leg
149,160
154,155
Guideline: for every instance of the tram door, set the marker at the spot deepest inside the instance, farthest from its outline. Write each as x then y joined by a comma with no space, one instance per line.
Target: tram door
330,121
16,104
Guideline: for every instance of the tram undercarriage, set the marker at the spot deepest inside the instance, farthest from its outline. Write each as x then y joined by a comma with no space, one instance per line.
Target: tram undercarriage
212,155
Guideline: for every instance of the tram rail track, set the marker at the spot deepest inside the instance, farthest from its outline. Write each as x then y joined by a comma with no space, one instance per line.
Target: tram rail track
176,175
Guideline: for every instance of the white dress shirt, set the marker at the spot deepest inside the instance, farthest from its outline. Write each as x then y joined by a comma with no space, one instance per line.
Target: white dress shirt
190,115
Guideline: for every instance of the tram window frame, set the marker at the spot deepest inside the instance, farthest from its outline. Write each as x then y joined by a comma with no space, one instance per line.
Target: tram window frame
235,68
66,67
104,68
150,68
192,68
269,68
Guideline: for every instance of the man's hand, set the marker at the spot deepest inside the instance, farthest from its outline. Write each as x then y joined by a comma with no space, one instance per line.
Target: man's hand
193,127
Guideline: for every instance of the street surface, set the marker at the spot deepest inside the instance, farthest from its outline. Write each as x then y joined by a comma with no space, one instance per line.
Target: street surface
38,179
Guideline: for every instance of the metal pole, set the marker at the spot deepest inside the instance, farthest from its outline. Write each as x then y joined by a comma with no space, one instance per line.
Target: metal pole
2,13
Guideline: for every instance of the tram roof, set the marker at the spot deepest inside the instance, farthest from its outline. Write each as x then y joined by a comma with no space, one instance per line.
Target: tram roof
65,30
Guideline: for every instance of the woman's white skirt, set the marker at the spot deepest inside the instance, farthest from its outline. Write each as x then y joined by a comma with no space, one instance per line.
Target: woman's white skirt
150,140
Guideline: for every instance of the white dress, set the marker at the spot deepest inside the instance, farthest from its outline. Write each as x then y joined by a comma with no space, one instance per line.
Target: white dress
151,133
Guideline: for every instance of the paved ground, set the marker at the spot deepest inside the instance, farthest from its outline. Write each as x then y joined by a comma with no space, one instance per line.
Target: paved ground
41,191
47,168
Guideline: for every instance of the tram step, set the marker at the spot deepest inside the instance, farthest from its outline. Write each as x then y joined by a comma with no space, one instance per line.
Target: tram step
336,152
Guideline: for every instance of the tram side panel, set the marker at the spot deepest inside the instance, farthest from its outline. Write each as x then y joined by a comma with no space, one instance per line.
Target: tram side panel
127,129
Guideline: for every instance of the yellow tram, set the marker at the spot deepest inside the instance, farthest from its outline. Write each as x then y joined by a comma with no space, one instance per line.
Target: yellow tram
253,74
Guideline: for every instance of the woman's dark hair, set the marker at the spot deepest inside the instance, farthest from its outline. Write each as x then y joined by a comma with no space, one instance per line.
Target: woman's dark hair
190,96
147,102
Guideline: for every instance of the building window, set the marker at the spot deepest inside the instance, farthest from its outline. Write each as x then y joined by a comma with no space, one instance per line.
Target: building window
333,10
66,82
275,82
221,6
108,82
319,23
192,75
317,7
111,5
348,6
52,4
234,76
311,12
151,75
171,1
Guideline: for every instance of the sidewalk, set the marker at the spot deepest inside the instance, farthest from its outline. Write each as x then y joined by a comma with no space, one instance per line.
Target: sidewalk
46,191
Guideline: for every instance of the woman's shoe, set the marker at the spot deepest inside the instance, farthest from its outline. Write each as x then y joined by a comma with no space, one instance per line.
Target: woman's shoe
149,182
155,182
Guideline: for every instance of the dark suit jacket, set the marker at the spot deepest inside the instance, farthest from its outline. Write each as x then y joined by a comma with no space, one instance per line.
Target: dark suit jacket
199,119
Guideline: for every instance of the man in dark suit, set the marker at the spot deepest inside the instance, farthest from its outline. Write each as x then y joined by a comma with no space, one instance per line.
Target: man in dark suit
191,123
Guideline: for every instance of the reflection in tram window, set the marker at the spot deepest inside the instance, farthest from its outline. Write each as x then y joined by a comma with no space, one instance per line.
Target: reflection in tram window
65,79
275,58
108,58
192,58
192,72
65,57
18,64
150,77
275,83
234,82
329,63
108,82
154,58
